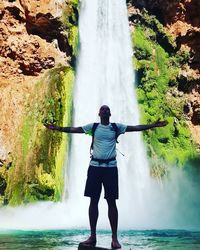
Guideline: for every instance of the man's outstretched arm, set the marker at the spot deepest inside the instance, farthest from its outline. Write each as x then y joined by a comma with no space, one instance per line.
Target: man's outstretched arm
147,126
64,129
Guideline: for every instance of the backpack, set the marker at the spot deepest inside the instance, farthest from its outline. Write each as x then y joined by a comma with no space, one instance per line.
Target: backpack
95,125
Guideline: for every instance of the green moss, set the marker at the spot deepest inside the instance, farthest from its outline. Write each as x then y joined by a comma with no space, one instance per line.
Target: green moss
75,3
158,31
70,21
68,80
37,172
26,136
14,191
142,46
158,70
17,195
73,39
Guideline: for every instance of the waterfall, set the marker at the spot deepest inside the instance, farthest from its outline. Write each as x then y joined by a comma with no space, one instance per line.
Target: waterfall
105,76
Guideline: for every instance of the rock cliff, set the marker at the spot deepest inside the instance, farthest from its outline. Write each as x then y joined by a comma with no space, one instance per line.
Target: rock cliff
181,20
35,36
24,56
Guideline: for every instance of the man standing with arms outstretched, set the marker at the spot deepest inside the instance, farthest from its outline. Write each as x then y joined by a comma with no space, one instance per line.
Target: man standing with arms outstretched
103,167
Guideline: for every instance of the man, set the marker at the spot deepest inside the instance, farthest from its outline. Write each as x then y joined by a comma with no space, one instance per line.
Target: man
103,167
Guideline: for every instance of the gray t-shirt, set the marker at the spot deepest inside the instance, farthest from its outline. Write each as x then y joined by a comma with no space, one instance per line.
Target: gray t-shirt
104,146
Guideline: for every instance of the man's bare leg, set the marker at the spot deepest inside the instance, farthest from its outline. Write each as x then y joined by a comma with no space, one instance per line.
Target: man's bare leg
93,217
113,218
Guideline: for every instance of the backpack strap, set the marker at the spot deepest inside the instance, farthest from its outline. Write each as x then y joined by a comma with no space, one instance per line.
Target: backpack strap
116,131
95,125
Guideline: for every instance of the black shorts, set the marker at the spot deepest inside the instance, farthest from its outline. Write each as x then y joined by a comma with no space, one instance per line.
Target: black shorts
96,176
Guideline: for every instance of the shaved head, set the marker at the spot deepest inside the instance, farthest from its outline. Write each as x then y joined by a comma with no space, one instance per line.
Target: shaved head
104,111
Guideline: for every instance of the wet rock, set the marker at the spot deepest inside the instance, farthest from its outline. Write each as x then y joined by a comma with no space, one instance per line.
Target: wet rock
3,185
2,162
196,114
35,65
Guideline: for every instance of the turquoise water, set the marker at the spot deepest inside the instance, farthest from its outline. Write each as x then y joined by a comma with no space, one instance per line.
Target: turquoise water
69,239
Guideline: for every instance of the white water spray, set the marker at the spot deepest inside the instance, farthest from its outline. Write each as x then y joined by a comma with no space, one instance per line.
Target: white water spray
105,76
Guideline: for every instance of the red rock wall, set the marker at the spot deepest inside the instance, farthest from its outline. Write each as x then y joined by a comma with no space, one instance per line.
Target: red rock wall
26,51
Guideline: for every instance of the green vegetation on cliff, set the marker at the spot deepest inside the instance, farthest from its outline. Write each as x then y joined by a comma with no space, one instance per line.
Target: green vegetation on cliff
70,21
157,72
37,171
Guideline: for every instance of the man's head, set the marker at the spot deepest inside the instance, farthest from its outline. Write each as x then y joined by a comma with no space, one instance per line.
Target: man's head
104,111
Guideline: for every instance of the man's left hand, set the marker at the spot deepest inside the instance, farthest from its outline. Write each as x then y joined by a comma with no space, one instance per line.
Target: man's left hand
159,123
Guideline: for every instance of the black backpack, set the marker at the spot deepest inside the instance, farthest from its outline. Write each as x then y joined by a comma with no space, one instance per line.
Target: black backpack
95,125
